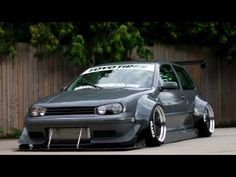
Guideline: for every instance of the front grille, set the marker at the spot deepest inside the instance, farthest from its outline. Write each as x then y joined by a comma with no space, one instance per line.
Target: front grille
70,110
36,135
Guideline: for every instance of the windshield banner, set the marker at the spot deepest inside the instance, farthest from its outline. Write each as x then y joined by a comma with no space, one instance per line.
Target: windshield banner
149,67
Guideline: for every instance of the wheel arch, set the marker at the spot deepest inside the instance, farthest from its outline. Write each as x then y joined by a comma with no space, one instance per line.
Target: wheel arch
144,112
200,107
144,109
204,117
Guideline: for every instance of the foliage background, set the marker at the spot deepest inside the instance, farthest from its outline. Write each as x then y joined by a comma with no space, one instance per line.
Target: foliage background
90,42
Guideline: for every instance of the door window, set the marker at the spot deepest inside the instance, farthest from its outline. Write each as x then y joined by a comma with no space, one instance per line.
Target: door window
185,79
167,74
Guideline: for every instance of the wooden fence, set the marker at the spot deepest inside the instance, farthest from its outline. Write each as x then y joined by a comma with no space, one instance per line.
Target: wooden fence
25,79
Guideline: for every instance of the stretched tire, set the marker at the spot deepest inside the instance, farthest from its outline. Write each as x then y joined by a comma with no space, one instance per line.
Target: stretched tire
156,131
206,125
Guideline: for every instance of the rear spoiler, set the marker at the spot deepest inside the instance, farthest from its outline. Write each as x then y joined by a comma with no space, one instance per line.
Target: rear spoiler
194,62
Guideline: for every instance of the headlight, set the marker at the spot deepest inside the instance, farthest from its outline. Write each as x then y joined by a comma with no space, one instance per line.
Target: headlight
101,110
115,108
36,111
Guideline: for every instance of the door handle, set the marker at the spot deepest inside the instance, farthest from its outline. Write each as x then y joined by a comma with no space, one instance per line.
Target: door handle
182,97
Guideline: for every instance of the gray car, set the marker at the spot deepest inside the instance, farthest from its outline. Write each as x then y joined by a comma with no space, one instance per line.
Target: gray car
123,104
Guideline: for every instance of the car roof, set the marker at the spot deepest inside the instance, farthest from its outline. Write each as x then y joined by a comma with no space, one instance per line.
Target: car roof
160,62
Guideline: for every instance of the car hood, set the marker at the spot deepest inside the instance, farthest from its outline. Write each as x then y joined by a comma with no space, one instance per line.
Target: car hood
91,95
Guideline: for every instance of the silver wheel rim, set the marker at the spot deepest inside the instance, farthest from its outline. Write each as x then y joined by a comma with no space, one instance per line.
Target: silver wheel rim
161,126
208,118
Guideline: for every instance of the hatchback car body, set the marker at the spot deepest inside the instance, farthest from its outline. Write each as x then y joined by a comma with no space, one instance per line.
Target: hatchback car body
120,105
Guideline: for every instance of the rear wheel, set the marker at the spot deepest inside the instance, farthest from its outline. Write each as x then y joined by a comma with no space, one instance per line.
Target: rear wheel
206,125
156,131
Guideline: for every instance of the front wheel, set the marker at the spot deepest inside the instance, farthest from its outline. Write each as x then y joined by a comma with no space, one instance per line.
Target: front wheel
206,125
24,147
156,131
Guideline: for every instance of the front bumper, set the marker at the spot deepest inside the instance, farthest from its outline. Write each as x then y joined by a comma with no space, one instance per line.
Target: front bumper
124,130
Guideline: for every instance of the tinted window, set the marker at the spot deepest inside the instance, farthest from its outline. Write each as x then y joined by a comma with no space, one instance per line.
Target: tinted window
184,78
167,74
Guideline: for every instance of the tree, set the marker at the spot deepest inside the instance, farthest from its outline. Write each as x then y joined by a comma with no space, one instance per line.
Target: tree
7,42
83,42
86,42
219,36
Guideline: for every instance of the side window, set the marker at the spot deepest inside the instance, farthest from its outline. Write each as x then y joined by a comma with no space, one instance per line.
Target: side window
167,74
185,79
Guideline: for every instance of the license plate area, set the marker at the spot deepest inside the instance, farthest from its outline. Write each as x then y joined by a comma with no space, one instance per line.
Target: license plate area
70,133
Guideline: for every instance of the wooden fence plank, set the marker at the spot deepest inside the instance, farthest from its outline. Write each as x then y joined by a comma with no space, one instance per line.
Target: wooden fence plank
41,78
45,77
9,93
14,94
1,95
4,95
20,86
35,77
25,78
30,78
60,72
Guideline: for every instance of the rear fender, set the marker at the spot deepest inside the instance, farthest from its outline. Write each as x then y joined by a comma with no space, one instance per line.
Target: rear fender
200,107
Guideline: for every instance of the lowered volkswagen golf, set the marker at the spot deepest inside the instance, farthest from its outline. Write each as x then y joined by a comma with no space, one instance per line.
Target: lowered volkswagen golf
125,104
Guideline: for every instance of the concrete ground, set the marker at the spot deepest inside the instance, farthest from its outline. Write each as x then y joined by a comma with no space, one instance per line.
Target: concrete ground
223,141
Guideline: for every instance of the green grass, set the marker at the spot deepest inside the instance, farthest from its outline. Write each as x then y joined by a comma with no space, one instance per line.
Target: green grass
15,133
1,131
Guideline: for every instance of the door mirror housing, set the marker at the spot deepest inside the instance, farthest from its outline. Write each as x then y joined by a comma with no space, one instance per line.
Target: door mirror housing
169,85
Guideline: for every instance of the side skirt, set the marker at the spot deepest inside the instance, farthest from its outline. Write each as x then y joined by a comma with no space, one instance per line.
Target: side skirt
174,136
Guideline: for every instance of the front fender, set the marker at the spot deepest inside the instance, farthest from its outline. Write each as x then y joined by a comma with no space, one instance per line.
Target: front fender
144,108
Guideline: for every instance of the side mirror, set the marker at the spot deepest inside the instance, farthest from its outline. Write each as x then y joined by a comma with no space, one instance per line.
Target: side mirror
63,88
169,85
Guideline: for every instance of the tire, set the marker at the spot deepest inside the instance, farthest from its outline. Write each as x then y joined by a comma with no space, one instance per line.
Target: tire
206,124
24,147
156,131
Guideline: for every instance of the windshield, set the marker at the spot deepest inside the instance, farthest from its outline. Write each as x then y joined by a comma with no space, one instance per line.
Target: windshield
115,76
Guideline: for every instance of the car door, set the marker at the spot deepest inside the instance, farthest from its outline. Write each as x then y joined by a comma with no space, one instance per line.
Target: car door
189,91
173,100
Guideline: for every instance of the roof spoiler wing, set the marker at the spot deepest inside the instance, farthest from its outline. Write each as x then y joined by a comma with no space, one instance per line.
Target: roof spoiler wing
202,63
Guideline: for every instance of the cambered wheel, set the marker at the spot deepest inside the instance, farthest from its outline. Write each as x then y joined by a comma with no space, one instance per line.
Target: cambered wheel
206,125
156,131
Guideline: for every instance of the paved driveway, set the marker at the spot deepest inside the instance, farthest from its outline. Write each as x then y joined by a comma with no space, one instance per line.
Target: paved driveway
223,141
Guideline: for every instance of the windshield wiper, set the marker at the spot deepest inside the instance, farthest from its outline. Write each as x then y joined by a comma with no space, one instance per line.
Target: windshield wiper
86,83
